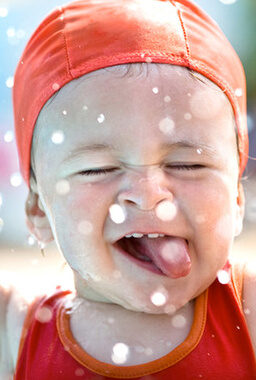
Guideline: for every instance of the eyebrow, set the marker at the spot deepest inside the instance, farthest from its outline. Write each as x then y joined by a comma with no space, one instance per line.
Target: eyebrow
165,146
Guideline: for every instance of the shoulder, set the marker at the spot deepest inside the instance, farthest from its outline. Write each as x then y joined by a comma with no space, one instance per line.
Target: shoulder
13,310
249,299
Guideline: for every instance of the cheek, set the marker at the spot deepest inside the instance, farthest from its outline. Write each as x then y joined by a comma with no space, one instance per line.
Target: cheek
210,208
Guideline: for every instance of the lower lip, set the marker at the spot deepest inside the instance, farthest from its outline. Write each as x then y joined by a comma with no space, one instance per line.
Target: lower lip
143,264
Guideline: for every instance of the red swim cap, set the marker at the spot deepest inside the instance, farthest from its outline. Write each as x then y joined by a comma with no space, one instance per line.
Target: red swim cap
88,35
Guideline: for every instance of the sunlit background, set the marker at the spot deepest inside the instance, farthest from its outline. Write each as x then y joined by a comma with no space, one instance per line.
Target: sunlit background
18,19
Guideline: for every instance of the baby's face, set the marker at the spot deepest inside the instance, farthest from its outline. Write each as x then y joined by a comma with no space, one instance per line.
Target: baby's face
177,134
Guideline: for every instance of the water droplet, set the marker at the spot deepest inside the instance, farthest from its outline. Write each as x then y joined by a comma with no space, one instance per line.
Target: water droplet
187,116
85,108
101,118
31,240
228,2
9,82
79,372
223,276
110,320
64,112
188,94
62,187
155,90
199,151
148,60
170,309
55,86
166,210
44,314
139,349
142,55
148,351
238,92
57,137
208,353
167,99
247,311
120,353
1,224
117,213
3,12
213,336
166,125
179,321
10,32
238,327
20,34
85,227
158,298
16,179
23,119
8,136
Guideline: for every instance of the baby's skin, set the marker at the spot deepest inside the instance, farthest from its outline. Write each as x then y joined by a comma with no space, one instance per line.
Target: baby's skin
169,143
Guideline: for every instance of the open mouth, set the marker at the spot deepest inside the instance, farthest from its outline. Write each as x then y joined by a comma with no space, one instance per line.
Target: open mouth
167,255
134,247
135,250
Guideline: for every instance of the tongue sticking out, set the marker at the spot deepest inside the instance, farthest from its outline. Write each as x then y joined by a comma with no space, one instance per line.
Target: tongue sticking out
170,254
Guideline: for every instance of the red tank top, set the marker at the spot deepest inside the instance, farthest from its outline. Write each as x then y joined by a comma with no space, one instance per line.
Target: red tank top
217,347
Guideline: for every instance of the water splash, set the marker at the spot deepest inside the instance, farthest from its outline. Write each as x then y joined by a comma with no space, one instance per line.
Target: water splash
223,276
117,213
158,298
62,187
166,125
166,210
167,99
85,227
9,82
58,137
55,86
101,118
16,179
44,314
120,353
179,321
155,90
8,136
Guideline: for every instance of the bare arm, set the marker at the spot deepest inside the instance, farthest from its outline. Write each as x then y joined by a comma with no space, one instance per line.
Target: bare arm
249,300
12,314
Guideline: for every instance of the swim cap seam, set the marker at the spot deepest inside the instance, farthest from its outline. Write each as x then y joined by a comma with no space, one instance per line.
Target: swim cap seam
184,33
65,43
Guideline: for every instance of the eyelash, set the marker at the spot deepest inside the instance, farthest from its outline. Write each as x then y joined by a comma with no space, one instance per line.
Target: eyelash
105,171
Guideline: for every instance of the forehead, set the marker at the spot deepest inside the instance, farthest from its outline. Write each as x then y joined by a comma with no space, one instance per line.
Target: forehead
110,103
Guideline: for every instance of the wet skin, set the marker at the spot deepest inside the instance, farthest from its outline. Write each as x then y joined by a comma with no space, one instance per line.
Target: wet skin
198,172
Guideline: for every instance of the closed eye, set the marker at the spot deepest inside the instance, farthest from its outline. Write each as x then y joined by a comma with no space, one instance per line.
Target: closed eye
111,170
97,171
186,167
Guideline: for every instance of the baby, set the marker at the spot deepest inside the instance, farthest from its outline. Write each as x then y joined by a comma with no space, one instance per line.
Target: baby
132,140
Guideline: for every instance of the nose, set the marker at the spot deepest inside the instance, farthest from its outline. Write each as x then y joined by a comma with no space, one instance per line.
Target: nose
145,190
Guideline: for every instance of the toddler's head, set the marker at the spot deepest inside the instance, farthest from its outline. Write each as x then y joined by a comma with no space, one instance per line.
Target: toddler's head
137,133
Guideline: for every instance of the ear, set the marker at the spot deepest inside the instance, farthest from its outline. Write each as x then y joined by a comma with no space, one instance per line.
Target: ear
240,209
37,221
